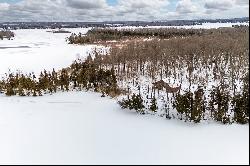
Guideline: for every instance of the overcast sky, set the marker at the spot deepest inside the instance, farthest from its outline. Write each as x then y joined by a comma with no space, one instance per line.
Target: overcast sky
120,10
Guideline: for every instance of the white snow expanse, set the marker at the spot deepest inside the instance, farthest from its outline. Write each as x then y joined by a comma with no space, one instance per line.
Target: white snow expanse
83,128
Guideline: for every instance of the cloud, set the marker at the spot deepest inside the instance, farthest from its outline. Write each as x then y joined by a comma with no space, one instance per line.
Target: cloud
219,5
86,4
34,10
242,2
226,8
139,4
4,6
185,7
123,10
140,9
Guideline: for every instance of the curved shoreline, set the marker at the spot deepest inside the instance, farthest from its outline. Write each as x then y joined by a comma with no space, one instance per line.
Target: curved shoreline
15,47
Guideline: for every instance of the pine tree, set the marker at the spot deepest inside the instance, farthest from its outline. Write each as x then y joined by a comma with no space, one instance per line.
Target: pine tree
183,104
10,86
64,80
20,90
241,105
153,107
239,109
1,86
166,108
137,103
9,90
198,108
219,105
54,80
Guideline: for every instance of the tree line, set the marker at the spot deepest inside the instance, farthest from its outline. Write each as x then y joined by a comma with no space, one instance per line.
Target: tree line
80,75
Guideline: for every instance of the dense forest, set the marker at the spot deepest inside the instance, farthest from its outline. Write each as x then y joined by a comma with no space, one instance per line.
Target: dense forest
80,75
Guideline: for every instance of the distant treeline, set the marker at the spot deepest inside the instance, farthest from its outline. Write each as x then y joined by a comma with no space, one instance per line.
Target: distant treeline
6,34
54,25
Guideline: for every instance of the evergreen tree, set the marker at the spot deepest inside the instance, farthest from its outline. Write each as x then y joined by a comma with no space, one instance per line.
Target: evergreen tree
54,80
241,105
198,108
167,109
2,86
219,104
9,90
10,86
64,80
183,104
153,107
136,102
21,85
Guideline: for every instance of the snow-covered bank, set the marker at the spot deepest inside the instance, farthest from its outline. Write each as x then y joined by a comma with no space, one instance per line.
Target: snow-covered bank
83,128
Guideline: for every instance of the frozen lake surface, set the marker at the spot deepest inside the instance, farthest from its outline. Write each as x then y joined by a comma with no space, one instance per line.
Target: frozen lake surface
36,49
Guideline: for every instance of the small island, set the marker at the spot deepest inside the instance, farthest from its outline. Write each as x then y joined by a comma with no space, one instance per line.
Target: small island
59,31
6,34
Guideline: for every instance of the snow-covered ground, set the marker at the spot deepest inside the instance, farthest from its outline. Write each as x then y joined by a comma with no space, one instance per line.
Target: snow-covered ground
83,128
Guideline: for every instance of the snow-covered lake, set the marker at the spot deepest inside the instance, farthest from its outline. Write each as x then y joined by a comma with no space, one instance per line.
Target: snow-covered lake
83,128
36,49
